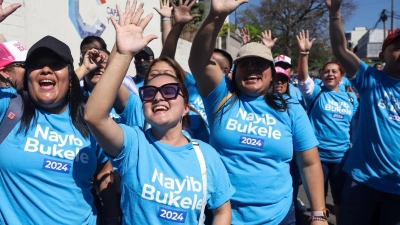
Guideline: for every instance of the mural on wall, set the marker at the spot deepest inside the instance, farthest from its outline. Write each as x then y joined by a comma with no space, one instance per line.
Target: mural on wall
85,29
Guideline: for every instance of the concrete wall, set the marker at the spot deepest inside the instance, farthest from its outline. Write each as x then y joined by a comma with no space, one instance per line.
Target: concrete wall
38,18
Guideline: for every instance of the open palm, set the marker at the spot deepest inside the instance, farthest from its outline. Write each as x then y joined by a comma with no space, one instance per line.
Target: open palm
225,7
129,31
304,41
165,10
182,12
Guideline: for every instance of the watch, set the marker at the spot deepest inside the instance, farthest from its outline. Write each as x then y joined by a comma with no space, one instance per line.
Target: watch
323,213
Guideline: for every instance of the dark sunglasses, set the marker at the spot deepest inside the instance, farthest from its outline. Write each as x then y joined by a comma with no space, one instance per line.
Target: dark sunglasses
257,64
168,91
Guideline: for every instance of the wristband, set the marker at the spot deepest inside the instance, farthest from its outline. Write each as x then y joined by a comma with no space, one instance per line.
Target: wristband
335,17
304,53
166,18
114,220
317,218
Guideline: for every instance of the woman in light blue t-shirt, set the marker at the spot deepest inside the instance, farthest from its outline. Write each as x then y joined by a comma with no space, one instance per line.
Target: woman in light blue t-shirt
166,177
331,111
254,129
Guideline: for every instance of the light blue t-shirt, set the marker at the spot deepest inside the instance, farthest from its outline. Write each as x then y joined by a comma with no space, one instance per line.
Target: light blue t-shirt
295,93
162,184
113,113
375,157
198,128
46,174
331,118
344,84
256,145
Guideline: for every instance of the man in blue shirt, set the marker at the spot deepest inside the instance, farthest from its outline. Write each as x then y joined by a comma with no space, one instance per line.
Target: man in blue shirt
374,162
142,62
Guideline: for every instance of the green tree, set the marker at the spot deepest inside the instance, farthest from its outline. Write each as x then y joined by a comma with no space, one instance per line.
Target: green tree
285,18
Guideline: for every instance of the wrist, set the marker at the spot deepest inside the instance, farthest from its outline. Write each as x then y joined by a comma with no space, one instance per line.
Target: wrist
335,15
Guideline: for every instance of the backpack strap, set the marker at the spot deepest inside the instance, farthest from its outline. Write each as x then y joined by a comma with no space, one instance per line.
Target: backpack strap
12,116
313,102
225,99
203,171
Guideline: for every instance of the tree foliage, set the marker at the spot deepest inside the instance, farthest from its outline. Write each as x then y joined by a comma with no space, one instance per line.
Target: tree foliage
287,17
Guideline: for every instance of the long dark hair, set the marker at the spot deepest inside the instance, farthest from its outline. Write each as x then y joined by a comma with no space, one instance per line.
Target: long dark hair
272,99
75,99
180,78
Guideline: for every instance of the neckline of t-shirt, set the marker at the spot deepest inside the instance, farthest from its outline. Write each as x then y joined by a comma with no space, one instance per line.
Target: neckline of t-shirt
168,147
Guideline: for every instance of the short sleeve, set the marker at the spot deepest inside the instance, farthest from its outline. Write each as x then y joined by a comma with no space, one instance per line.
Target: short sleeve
212,100
6,93
360,80
133,112
303,134
128,156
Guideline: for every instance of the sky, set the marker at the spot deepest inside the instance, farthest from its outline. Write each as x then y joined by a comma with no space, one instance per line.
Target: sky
366,14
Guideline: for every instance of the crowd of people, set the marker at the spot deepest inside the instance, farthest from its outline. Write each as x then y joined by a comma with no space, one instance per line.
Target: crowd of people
228,142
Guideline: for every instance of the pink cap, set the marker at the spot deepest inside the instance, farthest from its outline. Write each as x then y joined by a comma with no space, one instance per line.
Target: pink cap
281,71
11,51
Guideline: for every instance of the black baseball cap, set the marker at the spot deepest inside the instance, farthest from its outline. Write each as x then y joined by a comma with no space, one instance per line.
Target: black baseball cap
52,44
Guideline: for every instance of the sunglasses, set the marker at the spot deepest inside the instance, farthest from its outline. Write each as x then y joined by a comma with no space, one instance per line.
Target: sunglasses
168,91
257,64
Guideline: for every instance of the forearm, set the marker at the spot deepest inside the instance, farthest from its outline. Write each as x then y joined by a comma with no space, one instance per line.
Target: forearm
81,72
303,67
349,61
313,179
169,48
166,29
105,92
204,43
223,214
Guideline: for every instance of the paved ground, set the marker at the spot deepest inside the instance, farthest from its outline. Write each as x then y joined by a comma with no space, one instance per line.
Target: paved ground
329,204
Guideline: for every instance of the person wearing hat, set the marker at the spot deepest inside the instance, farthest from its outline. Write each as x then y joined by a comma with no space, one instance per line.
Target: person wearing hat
373,164
12,64
142,62
331,112
255,130
285,63
49,157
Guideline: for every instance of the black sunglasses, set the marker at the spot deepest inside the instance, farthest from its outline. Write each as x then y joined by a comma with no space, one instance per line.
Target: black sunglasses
168,91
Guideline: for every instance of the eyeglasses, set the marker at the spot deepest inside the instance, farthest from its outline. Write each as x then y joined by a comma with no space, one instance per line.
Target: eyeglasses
168,91
18,64
257,64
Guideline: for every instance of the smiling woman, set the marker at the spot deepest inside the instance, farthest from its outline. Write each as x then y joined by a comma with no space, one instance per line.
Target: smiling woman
46,178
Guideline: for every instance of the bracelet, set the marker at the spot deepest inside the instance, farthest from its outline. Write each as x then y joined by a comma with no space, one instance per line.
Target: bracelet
166,18
335,17
304,53
114,220
317,218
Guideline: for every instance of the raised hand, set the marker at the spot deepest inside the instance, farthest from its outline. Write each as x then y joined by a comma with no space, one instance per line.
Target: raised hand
225,7
7,10
304,41
182,12
333,6
129,31
165,10
245,34
266,39
93,59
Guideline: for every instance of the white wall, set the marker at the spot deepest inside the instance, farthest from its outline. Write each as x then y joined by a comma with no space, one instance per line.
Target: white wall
38,18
